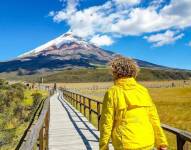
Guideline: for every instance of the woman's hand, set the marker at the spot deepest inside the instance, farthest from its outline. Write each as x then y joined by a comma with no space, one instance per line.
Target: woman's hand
162,148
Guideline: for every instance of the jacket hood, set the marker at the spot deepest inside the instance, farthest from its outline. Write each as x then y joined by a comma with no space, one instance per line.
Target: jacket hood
126,83
130,93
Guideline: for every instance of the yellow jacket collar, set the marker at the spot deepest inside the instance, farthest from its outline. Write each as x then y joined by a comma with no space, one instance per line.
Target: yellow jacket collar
125,82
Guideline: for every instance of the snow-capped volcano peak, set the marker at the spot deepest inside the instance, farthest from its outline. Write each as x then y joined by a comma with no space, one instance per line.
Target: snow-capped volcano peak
57,42
65,51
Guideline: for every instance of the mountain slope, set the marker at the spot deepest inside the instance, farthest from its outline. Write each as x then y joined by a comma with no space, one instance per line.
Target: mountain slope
104,75
66,51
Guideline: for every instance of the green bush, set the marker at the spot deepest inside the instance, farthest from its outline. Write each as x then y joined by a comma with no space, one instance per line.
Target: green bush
14,113
4,84
18,86
37,97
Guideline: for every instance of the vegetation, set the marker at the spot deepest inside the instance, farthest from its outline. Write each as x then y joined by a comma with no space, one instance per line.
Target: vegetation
16,104
153,75
104,75
93,75
80,75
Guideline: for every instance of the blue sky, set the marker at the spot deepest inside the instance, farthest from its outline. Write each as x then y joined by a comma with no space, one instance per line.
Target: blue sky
157,31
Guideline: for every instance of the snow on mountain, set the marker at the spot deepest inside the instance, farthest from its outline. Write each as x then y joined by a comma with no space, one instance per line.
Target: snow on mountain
66,51
58,42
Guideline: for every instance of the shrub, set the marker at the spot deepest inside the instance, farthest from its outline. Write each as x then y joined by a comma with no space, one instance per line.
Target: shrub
3,84
37,97
18,86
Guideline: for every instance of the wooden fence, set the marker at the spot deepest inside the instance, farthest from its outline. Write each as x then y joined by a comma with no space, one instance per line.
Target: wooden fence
36,135
84,103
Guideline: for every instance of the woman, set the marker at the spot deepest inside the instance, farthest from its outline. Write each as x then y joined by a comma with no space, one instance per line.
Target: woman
129,116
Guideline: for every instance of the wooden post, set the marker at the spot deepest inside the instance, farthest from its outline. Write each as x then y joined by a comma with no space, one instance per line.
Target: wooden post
71,98
180,142
80,103
41,139
90,110
99,114
84,102
75,100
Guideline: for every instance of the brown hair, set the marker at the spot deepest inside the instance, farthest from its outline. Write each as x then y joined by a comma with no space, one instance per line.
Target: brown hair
124,67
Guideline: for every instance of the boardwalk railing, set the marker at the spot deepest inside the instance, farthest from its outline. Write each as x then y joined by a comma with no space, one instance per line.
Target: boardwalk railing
181,136
84,103
36,135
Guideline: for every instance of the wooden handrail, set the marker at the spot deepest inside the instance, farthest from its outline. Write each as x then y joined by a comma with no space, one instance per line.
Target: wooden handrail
34,115
75,99
86,102
181,135
37,132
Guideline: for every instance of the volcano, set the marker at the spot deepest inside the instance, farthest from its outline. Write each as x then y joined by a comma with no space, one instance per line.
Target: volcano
66,51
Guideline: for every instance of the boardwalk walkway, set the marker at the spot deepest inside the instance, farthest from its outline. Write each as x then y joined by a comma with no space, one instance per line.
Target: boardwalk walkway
69,129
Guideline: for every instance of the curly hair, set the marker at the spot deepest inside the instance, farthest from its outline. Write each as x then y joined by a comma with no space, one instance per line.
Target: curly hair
124,67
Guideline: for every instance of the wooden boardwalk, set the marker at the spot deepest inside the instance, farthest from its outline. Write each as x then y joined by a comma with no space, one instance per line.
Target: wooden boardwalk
69,129
61,127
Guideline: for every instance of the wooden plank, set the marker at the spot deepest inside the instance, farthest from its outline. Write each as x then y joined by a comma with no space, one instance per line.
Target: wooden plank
69,129
62,134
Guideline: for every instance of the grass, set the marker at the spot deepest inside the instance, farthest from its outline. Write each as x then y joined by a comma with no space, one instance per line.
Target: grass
174,106
15,128
95,75
28,99
105,75
173,103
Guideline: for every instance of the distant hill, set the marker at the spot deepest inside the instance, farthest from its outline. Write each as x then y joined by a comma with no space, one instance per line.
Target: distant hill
66,51
95,75
104,75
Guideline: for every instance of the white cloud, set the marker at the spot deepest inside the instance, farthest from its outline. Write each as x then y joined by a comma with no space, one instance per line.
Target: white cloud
137,23
113,19
165,38
179,12
128,2
103,40
67,12
178,8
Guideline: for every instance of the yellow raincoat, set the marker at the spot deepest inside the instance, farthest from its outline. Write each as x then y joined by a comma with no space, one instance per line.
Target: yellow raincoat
130,118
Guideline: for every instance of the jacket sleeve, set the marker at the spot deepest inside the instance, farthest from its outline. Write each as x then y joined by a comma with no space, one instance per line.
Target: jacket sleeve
106,121
160,138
